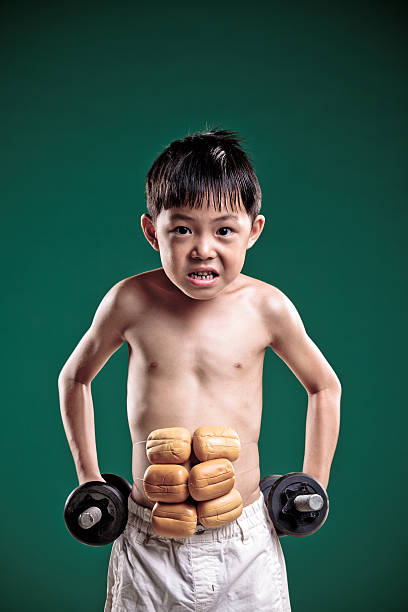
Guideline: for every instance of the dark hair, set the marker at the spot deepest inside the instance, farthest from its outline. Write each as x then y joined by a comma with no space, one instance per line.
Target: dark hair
205,163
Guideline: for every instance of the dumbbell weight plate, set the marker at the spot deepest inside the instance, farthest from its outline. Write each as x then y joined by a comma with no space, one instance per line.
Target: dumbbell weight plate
265,485
286,518
112,503
120,483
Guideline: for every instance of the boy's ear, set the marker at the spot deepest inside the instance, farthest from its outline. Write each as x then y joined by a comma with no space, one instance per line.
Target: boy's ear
149,230
256,230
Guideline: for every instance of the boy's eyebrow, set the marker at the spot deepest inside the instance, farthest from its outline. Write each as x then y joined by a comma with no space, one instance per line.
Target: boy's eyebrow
183,216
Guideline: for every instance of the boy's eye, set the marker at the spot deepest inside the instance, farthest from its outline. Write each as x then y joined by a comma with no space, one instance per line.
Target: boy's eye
182,229
225,228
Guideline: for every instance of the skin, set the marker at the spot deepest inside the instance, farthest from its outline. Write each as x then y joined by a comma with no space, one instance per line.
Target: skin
196,353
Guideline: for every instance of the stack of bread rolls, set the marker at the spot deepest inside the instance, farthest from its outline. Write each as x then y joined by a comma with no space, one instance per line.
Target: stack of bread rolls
206,493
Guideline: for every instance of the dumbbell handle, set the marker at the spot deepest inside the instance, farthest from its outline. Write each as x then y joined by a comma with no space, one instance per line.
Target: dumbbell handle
308,503
88,518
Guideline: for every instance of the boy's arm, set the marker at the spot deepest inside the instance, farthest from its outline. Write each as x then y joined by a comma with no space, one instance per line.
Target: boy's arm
102,339
291,342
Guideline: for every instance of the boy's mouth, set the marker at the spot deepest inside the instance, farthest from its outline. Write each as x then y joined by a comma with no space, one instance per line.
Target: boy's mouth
203,276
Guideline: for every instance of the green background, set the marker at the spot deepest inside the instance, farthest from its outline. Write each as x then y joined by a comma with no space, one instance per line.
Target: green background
91,94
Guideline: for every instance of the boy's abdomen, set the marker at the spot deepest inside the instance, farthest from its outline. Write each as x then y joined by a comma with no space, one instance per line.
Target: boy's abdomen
189,401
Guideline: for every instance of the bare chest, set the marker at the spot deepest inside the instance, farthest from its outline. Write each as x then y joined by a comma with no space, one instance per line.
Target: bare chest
213,344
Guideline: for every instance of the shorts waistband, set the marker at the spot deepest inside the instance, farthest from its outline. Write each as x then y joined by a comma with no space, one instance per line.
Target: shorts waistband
251,516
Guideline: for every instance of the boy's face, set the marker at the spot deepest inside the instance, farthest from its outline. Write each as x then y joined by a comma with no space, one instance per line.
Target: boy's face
200,240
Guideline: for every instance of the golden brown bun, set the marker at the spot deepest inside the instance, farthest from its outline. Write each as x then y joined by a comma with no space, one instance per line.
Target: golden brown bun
220,511
211,479
169,445
166,483
174,520
214,442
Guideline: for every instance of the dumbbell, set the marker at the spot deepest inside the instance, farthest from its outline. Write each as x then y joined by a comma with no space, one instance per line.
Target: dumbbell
96,512
297,504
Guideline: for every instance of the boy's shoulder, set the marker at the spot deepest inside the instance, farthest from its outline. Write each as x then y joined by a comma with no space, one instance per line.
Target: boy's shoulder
130,293
125,300
136,284
266,294
277,310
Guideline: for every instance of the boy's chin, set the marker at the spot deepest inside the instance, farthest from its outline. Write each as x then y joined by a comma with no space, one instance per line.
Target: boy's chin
200,293
202,298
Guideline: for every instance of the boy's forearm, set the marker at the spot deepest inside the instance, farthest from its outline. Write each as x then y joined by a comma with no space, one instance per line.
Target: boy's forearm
322,432
78,418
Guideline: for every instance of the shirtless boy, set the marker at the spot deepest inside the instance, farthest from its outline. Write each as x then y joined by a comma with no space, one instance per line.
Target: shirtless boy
196,352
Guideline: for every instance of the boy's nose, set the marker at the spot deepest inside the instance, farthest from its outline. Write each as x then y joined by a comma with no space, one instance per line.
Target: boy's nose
203,249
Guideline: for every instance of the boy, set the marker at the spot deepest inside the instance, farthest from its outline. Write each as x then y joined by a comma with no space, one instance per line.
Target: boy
197,331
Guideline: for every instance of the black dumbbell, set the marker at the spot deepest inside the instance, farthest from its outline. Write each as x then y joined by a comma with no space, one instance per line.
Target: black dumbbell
297,504
96,512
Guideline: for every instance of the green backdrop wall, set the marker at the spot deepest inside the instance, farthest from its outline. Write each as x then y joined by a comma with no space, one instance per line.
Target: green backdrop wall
91,93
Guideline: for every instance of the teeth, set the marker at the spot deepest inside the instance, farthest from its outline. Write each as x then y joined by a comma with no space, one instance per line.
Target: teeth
202,275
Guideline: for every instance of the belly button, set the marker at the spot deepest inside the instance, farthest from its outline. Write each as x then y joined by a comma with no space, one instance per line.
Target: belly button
237,365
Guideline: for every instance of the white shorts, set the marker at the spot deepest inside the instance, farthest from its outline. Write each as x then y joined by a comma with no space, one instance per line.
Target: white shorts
236,567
